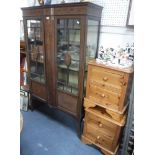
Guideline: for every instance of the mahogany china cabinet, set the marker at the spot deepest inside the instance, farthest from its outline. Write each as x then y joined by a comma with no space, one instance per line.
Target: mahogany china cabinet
60,40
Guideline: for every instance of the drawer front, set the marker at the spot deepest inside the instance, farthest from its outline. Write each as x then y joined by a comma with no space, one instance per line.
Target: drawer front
38,90
107,128
104,96
105,76
107,86
97,137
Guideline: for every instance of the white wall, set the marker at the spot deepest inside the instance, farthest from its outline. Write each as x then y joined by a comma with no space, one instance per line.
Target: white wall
115,36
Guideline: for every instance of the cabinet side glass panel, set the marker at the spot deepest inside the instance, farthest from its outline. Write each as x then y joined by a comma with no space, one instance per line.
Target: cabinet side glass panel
35,49
91,49
68,50
92,37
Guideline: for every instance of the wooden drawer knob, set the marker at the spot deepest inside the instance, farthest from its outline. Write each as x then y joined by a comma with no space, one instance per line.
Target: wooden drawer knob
105,78
100,125
98,137
102,95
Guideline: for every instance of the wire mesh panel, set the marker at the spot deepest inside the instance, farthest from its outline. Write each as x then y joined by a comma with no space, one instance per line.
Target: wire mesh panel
114,12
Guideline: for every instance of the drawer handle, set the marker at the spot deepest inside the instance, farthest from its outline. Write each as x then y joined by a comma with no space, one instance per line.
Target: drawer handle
98,137
105,78
102,95
100,125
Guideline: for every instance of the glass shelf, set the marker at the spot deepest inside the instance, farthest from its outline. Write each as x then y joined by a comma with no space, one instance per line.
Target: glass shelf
38,77
70,68
35,42
37,61
73,89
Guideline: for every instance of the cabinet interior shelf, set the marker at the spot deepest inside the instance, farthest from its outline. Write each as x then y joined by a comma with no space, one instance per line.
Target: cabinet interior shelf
70,68
39,61
36,42
34,27
68,28
70,88
38,78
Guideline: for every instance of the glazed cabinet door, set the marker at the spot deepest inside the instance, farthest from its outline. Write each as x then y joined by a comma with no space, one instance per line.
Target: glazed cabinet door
36,56
67,63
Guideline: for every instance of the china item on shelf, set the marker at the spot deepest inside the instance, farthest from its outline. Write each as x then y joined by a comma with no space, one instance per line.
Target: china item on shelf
41,2
47,2
120,57
31,2
63,1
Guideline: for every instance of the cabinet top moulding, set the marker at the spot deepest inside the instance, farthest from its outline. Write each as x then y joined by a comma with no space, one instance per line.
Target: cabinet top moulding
84,8
126,70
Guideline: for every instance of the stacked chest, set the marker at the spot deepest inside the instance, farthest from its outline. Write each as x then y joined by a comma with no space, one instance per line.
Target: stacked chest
105,106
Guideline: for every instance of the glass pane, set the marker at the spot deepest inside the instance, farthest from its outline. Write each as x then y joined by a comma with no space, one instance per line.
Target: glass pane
92,36
60,23
74,37
37,72
36,50
76,24
68,50
70,23
33,23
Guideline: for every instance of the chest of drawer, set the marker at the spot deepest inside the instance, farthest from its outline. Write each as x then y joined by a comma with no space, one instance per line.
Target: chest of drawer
108,87
101,131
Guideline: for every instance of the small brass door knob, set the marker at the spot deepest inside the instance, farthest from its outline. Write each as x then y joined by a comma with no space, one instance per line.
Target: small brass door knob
105,78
